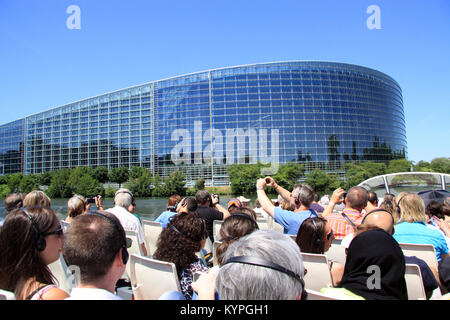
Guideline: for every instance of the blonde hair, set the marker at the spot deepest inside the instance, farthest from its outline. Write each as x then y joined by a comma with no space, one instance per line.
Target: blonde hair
76,206
412,209
36,199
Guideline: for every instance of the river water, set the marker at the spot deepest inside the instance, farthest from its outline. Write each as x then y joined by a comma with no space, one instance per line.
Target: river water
148,209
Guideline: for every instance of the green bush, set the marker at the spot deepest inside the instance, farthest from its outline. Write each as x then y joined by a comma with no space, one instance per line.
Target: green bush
4,191
29,183
59,187
110,192
119,175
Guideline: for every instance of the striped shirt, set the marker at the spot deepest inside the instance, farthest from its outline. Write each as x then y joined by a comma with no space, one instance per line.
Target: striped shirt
341,227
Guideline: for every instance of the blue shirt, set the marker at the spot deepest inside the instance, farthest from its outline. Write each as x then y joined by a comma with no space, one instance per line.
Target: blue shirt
291,221
165,217
419,233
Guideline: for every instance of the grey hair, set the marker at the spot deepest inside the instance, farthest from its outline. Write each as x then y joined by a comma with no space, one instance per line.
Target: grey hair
237,281
76,205
123,198
305,193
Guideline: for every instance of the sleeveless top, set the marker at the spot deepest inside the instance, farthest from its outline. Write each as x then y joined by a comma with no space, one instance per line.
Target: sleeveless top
39,292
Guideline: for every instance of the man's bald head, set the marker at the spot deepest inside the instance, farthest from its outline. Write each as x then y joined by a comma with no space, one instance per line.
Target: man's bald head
380,218
357,198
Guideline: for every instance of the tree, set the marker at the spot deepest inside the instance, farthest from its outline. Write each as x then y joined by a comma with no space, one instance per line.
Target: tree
45,178
28,183
140,186
321,182
356,173
59,187
174,184
441,165
136,172
100,174
4,190
288,174
119,175
87,186
14,182
158,187
422,166
399,165
200,184
243,177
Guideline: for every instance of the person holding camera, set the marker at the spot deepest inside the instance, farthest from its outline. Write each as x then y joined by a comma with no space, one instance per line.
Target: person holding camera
300,198
78,205
209,210
356,201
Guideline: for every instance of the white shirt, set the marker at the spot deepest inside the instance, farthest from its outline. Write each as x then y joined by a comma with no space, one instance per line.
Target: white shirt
129,222
92,294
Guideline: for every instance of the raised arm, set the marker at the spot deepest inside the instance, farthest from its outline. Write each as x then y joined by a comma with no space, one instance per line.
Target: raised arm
215,202
285,194
336,198
263,199
98,202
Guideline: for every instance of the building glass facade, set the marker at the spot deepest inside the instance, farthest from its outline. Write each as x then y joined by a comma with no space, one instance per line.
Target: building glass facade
321,114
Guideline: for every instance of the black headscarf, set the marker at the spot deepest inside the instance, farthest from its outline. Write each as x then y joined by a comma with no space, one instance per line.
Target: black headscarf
375,248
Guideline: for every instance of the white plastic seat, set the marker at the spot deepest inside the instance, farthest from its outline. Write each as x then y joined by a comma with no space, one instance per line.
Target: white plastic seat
426,252
318,274
208,246
316,295
216,244
63,275
7,295
336,253
152,230
277,227
274,225
263,224
217,224
414,283
134,249
151,278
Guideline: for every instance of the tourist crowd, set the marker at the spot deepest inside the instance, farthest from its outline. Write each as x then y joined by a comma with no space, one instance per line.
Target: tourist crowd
253,262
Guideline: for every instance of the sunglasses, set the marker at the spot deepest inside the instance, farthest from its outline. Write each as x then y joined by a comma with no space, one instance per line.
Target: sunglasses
330,235
59,232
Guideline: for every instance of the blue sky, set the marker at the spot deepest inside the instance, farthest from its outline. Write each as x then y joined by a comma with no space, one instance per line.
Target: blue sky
123,43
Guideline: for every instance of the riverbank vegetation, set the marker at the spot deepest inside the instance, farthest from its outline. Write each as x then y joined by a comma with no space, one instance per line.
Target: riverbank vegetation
87,181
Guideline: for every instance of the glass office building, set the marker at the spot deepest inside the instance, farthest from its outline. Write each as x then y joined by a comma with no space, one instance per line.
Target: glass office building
321,114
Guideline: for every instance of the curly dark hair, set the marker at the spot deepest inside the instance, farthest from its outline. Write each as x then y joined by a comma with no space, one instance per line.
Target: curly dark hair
180,240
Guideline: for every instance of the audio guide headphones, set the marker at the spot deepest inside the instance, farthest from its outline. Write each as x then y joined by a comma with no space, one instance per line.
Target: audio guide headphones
40,243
